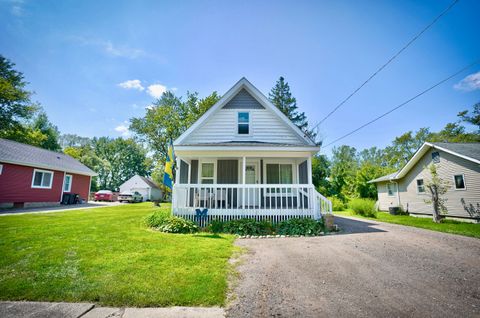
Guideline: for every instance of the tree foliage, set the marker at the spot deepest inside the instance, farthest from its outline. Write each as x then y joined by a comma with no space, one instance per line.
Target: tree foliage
437,188
114,160
282,98
21,119
168,118
15,103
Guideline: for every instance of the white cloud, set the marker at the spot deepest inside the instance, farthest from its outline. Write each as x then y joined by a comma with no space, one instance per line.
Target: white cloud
469,83
132,84
17,8
149,106
123,129
156,90
122,51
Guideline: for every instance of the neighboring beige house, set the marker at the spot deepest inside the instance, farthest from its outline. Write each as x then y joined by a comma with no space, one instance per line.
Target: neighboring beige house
458,163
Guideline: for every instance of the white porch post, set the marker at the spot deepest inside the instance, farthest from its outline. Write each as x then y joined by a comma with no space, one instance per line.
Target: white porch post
309,164
244,167
177,172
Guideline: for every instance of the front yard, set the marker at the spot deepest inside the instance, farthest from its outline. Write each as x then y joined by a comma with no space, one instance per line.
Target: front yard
108,256
447,226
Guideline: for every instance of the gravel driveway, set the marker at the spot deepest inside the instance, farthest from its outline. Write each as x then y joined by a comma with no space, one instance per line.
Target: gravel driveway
371,269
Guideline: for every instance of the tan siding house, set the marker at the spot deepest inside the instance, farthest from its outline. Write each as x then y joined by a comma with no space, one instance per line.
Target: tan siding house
458,163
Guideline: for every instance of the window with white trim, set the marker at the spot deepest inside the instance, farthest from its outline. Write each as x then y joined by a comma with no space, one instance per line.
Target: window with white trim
420,186
207,174
42,179
391,189
459,182
243,123
1,168
67,183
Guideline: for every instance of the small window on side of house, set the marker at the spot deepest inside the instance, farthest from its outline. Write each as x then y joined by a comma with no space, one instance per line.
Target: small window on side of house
243,123
420,186
459,182
391,189
435,157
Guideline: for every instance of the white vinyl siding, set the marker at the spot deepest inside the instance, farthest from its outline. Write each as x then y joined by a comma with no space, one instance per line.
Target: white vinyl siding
264,126
42,179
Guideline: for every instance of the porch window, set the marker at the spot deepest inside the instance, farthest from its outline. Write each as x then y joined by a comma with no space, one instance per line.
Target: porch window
279,174
208,173
42,179
243,123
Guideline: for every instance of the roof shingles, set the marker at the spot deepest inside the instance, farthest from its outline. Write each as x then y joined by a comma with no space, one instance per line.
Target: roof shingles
22,154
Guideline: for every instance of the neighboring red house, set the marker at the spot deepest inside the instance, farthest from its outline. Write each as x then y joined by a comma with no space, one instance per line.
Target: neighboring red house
32,176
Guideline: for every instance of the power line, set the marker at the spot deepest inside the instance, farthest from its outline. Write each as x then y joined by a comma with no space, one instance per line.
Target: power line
388,62
404,103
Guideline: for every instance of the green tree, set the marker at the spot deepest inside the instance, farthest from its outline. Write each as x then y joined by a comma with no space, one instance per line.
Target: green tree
73,140
282,98
343,171
403,147
119,160
474,118
454,132
168,118
15,104
437,188
48,133
320,173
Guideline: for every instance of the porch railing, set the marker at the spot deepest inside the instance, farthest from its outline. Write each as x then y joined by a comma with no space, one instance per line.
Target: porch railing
273,201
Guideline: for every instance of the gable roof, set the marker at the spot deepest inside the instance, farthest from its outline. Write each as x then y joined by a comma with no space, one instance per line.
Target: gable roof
149,182
21,154
244,84
468,151
388,177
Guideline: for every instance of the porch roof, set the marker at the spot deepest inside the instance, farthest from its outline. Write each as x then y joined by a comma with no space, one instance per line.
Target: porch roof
247,146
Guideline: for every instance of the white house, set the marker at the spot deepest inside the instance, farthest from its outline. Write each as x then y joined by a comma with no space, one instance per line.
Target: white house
146,187
245,158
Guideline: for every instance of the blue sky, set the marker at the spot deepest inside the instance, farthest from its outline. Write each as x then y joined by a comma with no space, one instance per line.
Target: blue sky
76,54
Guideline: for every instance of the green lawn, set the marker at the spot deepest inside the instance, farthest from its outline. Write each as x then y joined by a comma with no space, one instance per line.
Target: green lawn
447,226
108,256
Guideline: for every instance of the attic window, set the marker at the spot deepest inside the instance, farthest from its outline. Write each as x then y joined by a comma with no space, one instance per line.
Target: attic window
243,123
436,157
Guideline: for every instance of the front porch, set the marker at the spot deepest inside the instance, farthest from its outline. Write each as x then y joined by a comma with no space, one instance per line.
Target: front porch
226,188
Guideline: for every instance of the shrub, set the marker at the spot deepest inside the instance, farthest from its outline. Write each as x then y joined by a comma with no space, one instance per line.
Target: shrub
157,218
300,226
364,207
247,227
215,227
175,224
337,204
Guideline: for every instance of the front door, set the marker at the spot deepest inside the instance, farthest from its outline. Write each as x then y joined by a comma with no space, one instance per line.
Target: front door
252,177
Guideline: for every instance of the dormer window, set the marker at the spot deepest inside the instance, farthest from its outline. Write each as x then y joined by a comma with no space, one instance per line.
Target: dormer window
243,123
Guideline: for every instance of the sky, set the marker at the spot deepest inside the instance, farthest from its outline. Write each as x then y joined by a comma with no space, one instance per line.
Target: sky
93,65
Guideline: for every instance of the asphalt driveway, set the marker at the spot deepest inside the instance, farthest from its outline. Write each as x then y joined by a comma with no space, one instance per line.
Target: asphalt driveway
372,269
